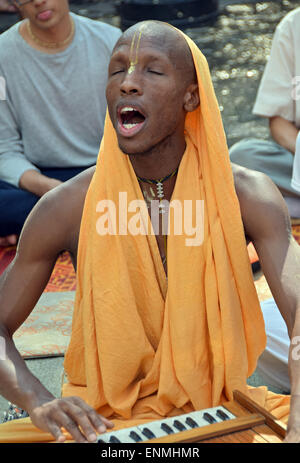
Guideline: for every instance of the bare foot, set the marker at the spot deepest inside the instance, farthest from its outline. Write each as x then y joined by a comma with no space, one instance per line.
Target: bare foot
6,6
10,240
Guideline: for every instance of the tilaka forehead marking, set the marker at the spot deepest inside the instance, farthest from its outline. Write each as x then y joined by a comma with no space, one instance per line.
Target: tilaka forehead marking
133,56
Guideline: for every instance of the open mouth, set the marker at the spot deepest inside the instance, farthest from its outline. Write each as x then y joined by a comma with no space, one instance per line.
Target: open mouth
130,120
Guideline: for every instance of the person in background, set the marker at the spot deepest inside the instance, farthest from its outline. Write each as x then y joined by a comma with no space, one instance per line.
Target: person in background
54,66
278,99
7,7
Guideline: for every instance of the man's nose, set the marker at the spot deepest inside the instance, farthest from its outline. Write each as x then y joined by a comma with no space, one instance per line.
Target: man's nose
131,84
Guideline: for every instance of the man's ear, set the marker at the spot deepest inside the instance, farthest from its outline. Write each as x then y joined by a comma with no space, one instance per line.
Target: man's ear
191,99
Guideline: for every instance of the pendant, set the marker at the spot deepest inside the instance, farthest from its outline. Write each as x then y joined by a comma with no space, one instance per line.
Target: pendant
160,195
161,208
160,190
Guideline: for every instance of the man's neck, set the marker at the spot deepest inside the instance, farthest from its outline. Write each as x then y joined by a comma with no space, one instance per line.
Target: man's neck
160,161
56,34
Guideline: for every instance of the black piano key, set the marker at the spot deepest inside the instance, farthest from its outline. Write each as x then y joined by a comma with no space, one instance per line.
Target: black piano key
222,415
165,427
178,425
134,436
210,419
190,422
148,433
114,440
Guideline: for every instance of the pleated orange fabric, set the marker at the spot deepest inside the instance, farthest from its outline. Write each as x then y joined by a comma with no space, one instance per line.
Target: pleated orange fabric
144,346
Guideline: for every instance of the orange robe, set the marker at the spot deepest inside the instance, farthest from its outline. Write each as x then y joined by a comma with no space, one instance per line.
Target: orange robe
143,346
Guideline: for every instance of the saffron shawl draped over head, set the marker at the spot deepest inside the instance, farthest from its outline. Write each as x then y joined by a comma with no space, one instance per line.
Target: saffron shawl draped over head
142,346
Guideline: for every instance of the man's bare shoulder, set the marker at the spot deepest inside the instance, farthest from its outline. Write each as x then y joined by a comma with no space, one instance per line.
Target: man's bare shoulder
56,217
261,203
68,198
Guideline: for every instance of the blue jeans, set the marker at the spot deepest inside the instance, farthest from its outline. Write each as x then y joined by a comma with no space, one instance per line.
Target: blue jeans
15,203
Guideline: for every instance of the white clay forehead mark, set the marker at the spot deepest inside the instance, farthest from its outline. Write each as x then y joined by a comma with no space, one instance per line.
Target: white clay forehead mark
134,48
156,28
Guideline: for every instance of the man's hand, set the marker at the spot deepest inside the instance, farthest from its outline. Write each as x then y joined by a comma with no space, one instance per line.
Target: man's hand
284,132
73,414
10,240
293,430
37,183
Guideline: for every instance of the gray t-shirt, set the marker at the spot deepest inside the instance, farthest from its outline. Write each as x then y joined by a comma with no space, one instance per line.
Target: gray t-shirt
54,110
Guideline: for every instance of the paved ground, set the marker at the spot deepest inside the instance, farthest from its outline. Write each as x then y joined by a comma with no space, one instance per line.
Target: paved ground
236,47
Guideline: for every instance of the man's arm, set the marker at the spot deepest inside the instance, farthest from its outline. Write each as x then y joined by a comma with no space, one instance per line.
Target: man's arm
267,224
51,227
284,132
13,162
20,288
37,183
15,168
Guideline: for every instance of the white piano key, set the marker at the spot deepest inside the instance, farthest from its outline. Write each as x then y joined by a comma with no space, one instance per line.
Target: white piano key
123,435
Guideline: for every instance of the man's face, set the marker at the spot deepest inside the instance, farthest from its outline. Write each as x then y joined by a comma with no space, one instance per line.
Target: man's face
45,13
145,94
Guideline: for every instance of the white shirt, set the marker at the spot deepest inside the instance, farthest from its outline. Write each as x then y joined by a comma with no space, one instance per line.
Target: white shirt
279,90
296,167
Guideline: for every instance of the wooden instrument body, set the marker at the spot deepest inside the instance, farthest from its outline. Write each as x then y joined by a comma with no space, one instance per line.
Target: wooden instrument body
268,431
251,424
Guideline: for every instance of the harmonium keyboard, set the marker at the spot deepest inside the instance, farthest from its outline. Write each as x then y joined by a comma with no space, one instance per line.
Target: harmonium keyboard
239,420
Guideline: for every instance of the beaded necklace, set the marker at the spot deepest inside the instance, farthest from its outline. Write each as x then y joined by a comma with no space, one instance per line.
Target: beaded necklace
160,194
159,184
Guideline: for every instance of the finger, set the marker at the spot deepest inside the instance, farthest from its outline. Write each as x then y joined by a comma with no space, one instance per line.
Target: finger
56,432
99,422
81,417
66,421
108,423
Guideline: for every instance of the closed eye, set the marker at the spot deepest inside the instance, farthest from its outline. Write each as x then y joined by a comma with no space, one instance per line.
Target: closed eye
152,71
118,71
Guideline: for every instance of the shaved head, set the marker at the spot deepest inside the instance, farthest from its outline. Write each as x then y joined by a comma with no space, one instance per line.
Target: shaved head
169,40
151,86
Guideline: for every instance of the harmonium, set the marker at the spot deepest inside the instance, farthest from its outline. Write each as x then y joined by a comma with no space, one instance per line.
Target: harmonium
238,421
